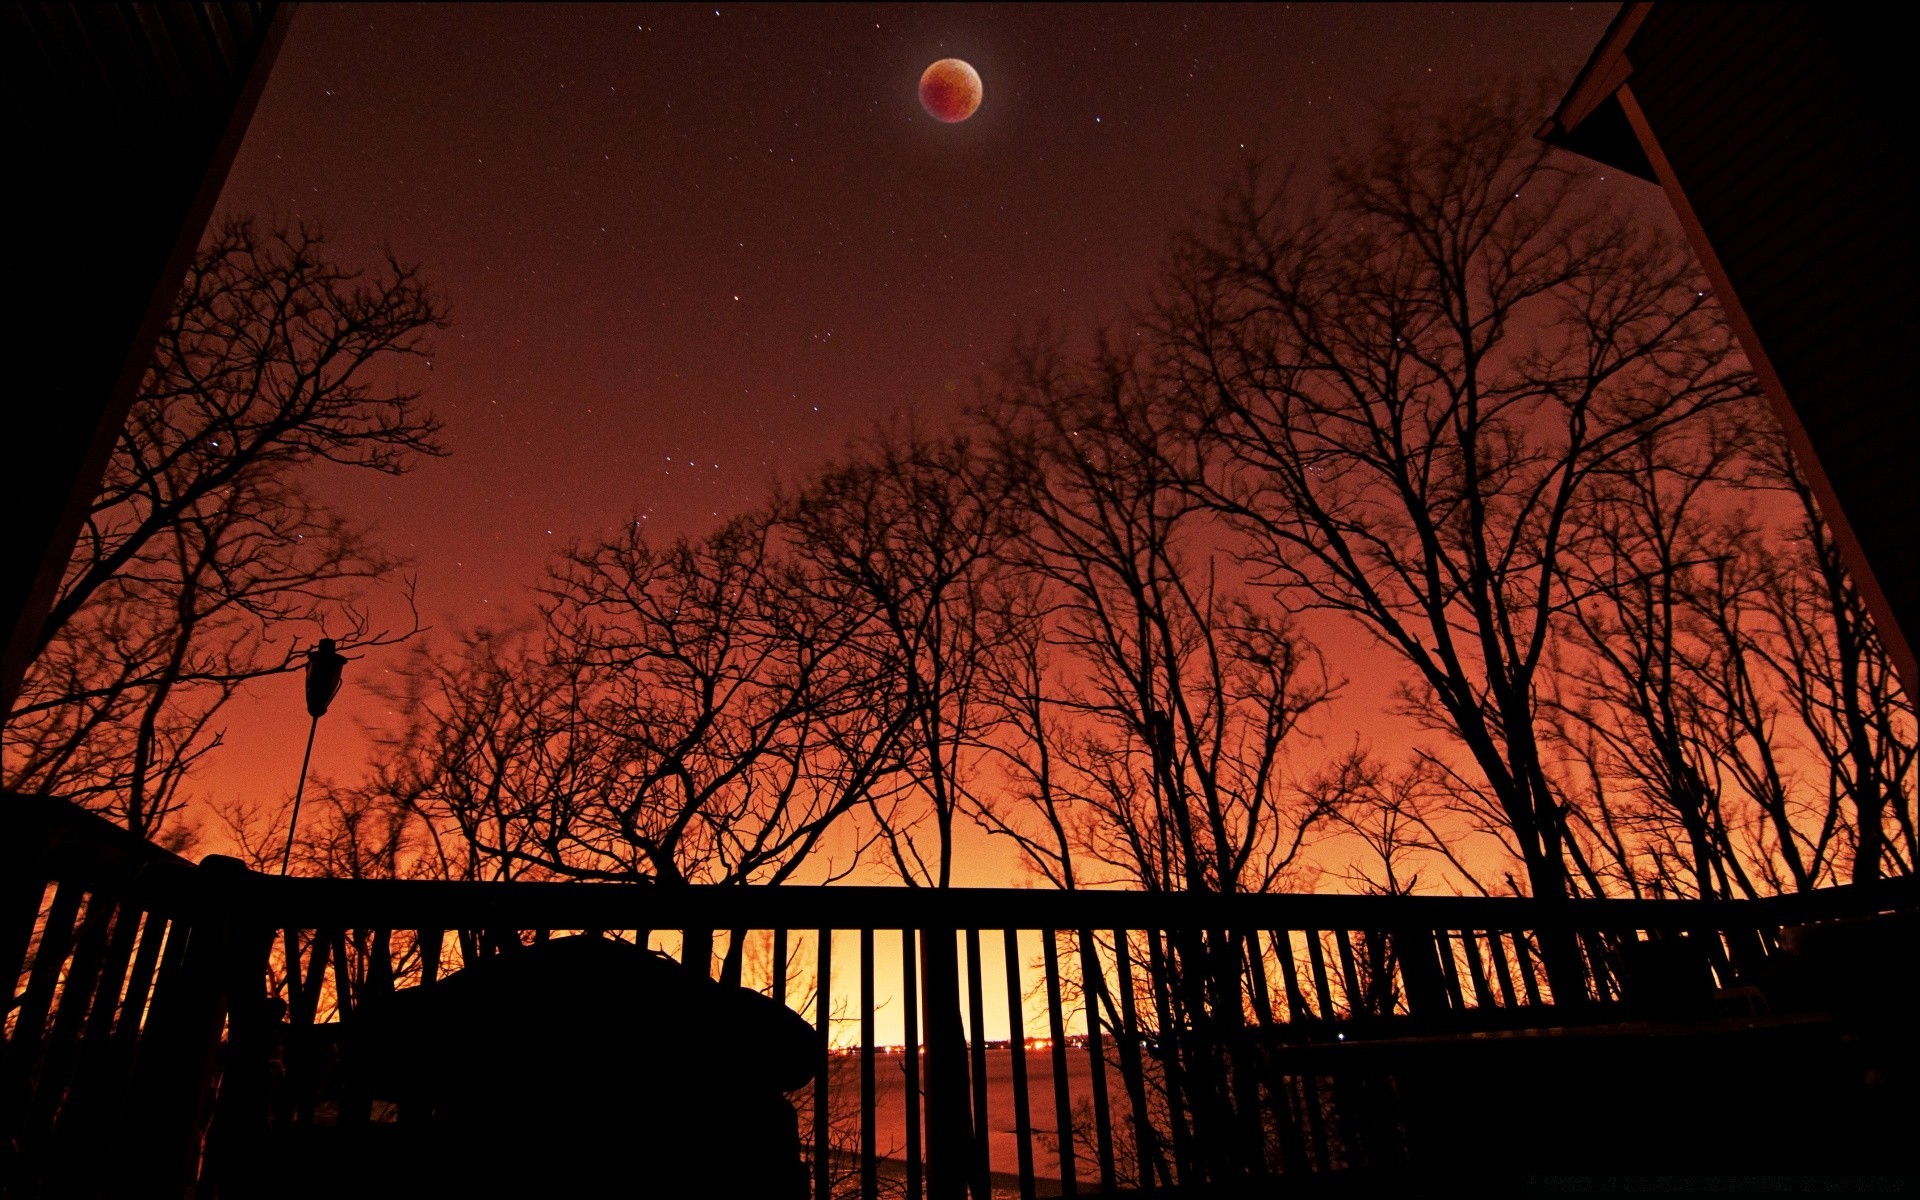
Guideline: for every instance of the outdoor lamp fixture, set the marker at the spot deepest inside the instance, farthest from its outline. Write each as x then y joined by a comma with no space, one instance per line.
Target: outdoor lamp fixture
324,664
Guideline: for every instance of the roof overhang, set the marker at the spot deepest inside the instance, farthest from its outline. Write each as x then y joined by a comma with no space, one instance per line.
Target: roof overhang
1589,120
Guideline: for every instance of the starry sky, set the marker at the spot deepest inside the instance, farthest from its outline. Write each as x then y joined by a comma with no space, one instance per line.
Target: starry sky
689,250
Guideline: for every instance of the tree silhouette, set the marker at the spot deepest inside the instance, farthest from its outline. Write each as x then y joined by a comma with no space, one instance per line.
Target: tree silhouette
912,527
1721,685
1407,388
698,712
1162,706
1629,682
1169,700
202,552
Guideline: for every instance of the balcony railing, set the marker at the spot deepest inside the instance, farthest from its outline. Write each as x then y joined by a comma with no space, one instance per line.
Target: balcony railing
178,1022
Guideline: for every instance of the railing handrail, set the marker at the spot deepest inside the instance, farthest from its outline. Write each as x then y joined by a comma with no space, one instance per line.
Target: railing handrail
58,839
444,904
69,842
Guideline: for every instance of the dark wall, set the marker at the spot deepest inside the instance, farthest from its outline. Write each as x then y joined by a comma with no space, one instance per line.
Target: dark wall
1782,125
122,120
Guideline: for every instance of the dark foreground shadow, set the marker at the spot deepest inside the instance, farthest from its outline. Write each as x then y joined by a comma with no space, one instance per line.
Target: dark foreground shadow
580,1066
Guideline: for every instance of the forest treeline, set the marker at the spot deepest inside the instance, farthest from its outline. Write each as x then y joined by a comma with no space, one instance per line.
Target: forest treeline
1447,394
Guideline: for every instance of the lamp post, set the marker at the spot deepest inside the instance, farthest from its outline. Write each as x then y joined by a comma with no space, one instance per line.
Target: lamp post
324,664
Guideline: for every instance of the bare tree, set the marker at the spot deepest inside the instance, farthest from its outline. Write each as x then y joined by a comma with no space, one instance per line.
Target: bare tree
1406,389
700,712
1836,680
909,529
1164,719
355,832
912,527
1391,813
1171,699
1629,681
493,751
202,559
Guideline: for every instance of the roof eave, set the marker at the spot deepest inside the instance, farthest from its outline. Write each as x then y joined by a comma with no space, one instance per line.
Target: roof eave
1589,120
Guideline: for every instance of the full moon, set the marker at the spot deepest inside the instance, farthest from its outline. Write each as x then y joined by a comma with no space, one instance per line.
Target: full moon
950,90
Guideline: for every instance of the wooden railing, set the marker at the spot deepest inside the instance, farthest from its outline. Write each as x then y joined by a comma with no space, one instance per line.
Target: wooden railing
115,1006
1034,1042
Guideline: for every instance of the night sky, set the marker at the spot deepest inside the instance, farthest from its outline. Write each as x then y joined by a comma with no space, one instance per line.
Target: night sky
689,250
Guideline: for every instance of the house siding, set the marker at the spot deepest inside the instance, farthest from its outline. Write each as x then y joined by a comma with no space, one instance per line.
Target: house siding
1812,222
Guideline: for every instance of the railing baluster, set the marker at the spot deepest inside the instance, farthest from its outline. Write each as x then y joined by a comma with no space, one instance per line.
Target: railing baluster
869,1135
342,976
736,958
1349,973
1501,970
976,1016
469,945
1716,954
696,951
308,1010
822,1151
30,1022
113,975
910,1058
1062,1099
1093,986
1317,959
380,963
1146,1143
179,1049
1171,1046
1449,970
1376,975
1316,1122
1017,1054
778,983
1290,975
1293,1156
1599,971
1231,1022
133,1006
1482,992
290,955
1524,954
83,1119
26,896
75,993
429,943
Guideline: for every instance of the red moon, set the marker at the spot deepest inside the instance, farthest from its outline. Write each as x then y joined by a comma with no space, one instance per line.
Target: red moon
950,90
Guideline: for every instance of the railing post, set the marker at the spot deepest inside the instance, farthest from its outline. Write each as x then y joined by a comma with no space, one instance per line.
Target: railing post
1172,1046
239,1126
696,951
1146,1139
823,1082
1560,955
31,1008
910,1004
1420,970
949,1122
179,1048
1093,989
869,1135
976,1014
734,964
